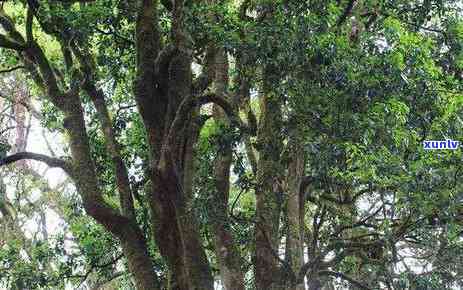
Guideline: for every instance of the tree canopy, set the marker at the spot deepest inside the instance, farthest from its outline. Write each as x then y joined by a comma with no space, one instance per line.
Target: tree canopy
234,144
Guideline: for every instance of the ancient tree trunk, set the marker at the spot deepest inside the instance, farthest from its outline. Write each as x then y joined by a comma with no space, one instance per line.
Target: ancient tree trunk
268,189
163,82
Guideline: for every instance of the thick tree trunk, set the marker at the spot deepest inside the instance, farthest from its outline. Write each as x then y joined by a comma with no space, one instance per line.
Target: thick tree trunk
268,189
167,238
175,227
173,214
139,261
153,105
196,265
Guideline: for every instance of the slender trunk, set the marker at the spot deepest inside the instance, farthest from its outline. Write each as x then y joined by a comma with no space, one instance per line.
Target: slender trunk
225,247
227,253
131,237
113,147
294,238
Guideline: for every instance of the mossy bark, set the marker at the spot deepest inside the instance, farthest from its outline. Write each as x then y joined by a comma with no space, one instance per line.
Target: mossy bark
268,189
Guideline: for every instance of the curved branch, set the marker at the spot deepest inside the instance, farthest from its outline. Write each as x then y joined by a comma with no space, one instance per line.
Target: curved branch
12,34
50,161
11,69
93,267
204,80
226,106
190,103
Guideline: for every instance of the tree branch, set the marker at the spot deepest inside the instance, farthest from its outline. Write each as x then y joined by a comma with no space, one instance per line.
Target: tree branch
190,103
146,95
8,25
347,11
29,22
112,32
50,161
5,42
94,267
11,69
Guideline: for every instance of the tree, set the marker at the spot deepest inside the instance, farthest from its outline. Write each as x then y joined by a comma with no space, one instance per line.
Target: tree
313,140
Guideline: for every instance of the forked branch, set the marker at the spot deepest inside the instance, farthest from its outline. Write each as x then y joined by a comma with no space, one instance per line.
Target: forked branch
190,103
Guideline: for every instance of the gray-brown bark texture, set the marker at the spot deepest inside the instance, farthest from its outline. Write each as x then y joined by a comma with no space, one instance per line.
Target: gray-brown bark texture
225,246
268,189
294,211
175,227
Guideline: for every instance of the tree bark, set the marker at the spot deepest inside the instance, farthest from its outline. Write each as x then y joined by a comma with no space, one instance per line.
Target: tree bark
158,100
225,247
84,173
294,235
268,189
130,235
196,265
